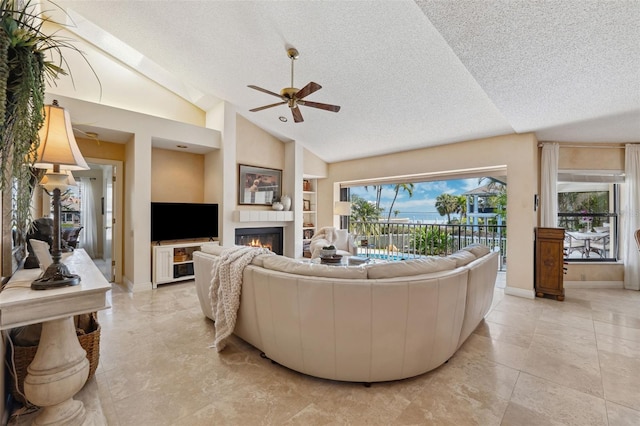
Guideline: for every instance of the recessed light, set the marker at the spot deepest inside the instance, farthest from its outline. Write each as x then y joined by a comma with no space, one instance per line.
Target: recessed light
182,146
283,118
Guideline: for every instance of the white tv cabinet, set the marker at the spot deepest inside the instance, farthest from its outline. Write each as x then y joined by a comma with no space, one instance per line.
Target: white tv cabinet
173,262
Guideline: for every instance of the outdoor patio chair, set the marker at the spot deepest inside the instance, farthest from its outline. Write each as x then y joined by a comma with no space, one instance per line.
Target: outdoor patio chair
600,246
573,244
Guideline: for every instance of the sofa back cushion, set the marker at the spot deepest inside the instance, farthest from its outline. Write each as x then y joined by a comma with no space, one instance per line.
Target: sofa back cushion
462,257
478,250
407,268
212,247
216,249
292,266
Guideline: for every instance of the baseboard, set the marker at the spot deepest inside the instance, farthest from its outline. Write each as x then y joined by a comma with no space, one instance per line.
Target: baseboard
135,288
593,284
520,292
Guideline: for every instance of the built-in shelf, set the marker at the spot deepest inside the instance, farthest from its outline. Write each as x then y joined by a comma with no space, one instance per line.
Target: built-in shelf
309,215
264,216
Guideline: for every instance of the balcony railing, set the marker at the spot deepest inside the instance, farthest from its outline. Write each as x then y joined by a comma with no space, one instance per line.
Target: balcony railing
414,240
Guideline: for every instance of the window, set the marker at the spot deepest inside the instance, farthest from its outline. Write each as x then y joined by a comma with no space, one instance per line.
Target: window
70,206
588,211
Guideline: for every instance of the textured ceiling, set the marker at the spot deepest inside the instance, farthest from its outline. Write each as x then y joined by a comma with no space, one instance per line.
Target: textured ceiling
406,74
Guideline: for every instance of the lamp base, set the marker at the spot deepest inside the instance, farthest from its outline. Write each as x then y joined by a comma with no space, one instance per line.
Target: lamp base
56,275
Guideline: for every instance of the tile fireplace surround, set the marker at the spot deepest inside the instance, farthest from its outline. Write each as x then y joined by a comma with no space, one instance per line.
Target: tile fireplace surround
269,237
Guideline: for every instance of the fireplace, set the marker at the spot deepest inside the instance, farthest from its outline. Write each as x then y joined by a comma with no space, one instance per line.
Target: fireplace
270,238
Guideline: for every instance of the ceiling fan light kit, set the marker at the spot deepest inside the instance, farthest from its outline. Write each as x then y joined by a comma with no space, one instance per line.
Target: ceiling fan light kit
293,97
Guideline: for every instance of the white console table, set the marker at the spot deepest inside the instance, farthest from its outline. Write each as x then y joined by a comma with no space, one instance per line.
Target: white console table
60,367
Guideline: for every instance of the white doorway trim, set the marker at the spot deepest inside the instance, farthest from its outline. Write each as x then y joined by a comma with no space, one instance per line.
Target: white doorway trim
117,213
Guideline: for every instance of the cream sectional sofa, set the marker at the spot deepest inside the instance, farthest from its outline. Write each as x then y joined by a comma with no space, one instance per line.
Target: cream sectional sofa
367,323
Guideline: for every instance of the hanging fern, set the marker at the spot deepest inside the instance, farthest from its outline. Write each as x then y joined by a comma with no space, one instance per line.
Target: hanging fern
28,57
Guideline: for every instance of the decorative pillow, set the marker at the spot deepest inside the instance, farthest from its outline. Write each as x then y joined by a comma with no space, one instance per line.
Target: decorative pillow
478,250
408,268
292,266
462,257
342,239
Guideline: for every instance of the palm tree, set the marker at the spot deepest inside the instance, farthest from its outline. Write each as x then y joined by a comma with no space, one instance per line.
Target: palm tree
363,215
446,204
408,187
378,189
462,207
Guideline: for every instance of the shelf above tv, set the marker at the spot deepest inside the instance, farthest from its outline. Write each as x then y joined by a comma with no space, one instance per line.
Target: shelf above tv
263,216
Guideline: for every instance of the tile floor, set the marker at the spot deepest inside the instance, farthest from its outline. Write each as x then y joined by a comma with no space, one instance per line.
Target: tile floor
531,362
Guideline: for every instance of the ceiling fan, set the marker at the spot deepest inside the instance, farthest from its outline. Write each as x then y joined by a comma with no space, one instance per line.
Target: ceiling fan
294,97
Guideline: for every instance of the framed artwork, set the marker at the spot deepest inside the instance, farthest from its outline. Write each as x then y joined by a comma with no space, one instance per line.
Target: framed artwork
308,234
258,185
306,205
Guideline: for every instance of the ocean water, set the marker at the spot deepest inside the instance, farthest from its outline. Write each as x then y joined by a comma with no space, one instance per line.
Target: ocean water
421,217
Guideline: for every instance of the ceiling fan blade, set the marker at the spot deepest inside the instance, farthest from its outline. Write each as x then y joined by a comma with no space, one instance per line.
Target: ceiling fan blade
260,89
307,90
326,107
297,115
266,106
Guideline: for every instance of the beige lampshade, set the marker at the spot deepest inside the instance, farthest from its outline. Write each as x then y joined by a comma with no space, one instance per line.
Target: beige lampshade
62,180
58,146
342,208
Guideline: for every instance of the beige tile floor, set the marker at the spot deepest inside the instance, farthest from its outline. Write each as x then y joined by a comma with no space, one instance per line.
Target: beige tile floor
531,362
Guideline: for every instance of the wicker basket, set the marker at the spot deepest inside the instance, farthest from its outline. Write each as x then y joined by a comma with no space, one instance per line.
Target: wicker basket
23,356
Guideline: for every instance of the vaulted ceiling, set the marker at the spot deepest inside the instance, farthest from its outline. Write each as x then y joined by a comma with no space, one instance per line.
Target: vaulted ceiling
407,74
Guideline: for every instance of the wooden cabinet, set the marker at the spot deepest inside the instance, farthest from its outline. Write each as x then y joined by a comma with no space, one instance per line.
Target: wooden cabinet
549,262
173,262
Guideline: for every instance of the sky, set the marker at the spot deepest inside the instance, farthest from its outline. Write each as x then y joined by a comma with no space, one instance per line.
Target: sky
422,205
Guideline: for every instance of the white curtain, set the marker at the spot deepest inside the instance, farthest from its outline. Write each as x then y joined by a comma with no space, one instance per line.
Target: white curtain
88,235
631,216
549,185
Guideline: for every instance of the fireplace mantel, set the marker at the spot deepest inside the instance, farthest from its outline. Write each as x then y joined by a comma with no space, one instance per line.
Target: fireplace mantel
263,216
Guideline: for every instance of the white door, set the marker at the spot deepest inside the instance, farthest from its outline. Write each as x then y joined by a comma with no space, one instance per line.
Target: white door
107,220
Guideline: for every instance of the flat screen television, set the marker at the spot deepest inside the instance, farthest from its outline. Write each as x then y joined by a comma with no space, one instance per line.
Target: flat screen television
182,221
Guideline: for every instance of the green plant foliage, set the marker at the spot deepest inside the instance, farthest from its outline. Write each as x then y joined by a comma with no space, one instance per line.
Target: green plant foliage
446,204
430,240
28,58
364,216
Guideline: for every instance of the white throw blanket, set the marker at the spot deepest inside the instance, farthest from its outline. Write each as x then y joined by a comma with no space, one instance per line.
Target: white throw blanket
225,289
328,233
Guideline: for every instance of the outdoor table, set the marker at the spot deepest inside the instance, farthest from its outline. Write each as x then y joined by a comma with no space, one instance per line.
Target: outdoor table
587,237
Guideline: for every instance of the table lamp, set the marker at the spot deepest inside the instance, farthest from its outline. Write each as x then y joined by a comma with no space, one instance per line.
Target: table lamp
342,208
59,153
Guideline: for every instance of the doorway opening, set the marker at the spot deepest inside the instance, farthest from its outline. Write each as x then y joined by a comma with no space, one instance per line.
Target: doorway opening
99,205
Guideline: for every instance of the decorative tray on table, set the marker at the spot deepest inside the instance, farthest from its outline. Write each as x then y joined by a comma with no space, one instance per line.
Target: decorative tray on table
336,258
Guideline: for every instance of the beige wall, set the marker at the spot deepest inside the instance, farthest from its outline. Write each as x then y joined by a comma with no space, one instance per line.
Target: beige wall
572,158
313,166
518,154
177,176
255,147
101,149
595,272
116,84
